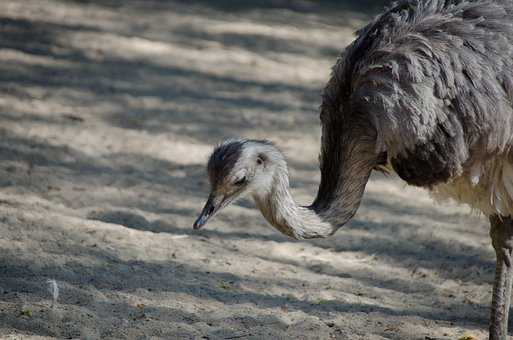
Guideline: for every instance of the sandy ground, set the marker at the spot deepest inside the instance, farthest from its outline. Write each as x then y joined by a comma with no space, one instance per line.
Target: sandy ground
108,112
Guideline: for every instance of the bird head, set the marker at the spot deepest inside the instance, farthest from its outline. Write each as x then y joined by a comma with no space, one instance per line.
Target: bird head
235,168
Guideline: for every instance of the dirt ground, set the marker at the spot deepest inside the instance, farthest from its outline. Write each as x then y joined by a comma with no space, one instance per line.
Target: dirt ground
108,111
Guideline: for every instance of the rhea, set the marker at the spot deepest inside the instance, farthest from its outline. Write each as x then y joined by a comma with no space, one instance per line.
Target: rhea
425,91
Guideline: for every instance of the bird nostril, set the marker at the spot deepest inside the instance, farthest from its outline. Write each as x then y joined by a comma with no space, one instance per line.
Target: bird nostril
210,210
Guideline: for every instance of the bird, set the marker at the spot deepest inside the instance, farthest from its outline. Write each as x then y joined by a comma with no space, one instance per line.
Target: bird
425,91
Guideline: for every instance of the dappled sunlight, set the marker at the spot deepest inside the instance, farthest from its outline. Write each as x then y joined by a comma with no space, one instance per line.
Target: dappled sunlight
109,111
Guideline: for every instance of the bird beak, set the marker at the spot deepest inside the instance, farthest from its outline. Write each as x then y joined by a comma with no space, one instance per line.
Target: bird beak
214,203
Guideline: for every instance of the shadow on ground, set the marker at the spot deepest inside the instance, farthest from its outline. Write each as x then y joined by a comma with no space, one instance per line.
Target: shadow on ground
69,111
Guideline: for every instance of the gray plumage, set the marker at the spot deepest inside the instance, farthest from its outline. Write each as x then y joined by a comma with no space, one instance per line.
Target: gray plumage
435,83
222,161
426,91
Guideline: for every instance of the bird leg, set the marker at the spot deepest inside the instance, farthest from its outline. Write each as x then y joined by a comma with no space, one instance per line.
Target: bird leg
501,232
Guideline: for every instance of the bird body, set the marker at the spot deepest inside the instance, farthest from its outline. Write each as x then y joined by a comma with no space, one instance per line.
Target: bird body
486,186
436,80
426,89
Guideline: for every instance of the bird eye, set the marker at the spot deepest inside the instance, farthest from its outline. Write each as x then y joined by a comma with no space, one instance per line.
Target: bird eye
240,181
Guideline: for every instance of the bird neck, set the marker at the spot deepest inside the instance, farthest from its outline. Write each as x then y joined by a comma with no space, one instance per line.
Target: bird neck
281,210
339,196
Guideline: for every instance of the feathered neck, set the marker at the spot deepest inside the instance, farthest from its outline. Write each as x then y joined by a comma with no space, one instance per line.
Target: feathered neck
319,220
